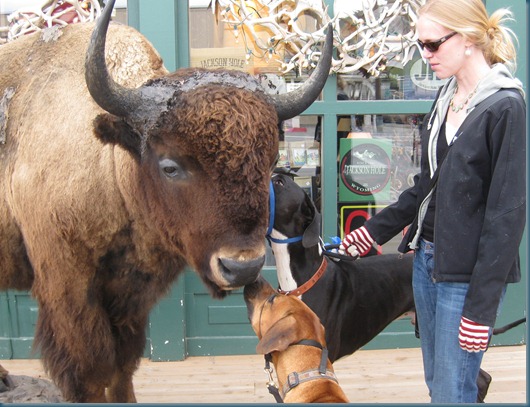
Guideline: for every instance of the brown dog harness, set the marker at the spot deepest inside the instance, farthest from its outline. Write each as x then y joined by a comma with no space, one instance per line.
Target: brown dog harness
296,378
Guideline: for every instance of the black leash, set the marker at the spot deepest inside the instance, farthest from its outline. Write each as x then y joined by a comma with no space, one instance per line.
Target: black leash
271,386
501,330
328,251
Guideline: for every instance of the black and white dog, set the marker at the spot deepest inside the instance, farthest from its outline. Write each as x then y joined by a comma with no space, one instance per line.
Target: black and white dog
355,300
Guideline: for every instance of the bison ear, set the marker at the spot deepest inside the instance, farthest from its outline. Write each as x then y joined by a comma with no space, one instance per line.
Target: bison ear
111,129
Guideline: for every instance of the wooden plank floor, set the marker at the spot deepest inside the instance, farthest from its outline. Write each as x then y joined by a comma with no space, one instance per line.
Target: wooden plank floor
368,376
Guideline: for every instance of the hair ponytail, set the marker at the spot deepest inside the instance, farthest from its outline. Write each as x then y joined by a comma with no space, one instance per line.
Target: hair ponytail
498,41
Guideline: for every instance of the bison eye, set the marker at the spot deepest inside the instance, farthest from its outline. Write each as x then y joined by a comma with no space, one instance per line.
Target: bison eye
171,169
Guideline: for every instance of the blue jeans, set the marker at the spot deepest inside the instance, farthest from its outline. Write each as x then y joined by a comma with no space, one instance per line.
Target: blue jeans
450,372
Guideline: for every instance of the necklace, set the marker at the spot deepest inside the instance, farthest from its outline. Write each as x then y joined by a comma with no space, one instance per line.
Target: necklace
459,107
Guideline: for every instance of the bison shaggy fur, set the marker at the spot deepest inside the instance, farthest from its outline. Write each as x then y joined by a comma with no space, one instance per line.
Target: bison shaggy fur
100,213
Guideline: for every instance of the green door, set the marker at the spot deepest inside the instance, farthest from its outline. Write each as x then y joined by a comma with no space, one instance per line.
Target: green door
18,317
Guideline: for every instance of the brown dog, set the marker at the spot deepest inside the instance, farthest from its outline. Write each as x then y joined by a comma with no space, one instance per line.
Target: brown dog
292,334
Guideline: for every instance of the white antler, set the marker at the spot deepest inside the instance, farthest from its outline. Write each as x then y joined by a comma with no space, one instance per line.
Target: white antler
378,30
52,12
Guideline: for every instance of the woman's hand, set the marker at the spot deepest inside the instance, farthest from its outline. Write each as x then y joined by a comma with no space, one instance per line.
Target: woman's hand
472,336
356,243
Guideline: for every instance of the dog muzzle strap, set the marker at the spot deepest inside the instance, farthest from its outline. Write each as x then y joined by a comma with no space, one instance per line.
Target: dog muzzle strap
272,212
322,368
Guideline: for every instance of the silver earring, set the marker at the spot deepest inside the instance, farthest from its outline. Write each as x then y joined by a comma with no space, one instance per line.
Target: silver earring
467,52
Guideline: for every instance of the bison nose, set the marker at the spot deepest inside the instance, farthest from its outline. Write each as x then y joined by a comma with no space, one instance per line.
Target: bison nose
239,273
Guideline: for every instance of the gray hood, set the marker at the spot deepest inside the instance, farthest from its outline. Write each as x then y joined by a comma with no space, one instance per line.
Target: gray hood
499,77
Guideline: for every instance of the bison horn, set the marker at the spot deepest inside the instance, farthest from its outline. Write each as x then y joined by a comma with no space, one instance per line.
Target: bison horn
108,94
291,104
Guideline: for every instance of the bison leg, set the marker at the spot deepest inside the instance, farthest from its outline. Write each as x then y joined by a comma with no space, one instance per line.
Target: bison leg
100,353
121,388
77,349
130,344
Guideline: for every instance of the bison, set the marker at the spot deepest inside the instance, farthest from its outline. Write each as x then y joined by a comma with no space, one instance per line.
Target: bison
115,174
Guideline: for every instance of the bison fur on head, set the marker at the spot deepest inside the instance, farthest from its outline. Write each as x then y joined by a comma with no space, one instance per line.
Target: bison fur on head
202,172
115,174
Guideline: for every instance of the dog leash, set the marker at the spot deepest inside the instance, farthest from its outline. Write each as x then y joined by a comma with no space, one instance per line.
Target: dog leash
271,386
328,251
501,330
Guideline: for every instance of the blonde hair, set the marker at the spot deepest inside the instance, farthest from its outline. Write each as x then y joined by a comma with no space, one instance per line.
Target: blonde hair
470,19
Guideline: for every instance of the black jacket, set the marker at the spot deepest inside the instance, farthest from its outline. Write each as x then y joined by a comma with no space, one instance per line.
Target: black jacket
480,209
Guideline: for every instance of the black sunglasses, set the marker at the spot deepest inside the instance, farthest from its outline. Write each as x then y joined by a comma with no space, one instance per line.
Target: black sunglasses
432,46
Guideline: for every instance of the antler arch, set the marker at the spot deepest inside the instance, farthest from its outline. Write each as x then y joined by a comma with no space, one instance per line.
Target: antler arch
367,32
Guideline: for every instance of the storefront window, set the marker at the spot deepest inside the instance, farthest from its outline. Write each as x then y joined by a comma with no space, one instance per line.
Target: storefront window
415,81
376,163
218,44
300,151
378,54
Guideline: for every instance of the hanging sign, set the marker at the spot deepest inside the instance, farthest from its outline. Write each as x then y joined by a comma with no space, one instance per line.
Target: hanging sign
212,58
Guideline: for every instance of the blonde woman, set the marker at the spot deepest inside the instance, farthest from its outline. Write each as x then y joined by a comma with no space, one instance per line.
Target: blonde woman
466,228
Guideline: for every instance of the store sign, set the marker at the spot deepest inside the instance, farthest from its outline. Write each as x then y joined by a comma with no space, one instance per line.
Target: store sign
365,169
213,58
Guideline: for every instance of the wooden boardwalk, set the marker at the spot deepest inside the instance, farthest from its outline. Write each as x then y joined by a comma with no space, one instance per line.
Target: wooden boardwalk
368,376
